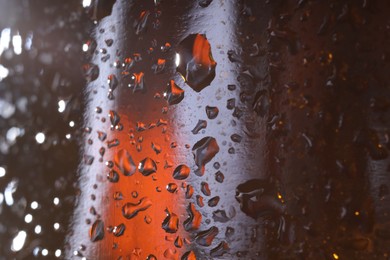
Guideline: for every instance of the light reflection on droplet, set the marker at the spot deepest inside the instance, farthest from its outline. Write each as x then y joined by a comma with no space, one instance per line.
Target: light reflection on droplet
85,47
86,3
61,106
38,229
57,253
34,205
56,201
9,190
2,171
17,44
28,218
71,123
3,71
28,41
18,241
56,226
45,252
13,133
40,137
68,136
5,39
177,59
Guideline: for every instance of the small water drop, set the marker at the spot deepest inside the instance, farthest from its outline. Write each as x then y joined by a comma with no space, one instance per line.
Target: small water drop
91,72
159,66
171,222
204,187
190,255
219,177
173,93
140,23
178,242
112,82
113,176
147,166
236,138
204,151
112,143
114,118
130,210
124,162
212,112
96,232
195,61
147,219
199,201
139,82
156,148
119,230
206,237
199,126
220,250
181,172
189,191
213,201
194,218
172,187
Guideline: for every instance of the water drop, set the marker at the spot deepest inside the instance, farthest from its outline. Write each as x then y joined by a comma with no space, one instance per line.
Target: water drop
139,82
147,166
220,250
159,66
206,237
91,72
194,219
189,191
101,135
156,148
231,103
190,255
114,118
96,232
181,172
199,201
258,198
112,143
124,162
213,201
204,3
147,219
113,176
119,230
195,62
172,187
112,82
204,151
118,195
199,126
109,42
212,112
236,138
140,24
171,222
178,242
151,257
219,177
88,159
220,216
130,210
205,188
173,93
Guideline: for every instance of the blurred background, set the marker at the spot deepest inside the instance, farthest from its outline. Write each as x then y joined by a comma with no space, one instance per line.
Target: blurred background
41,92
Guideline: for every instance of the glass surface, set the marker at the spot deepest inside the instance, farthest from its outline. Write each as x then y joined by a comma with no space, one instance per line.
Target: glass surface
208,129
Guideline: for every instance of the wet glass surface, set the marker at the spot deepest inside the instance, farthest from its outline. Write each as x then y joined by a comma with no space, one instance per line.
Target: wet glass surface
207,129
